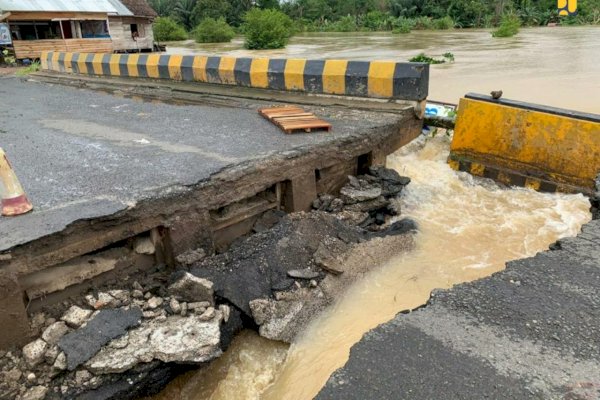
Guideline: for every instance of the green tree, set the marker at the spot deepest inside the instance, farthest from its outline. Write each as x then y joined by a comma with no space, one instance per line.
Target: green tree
163,8
265,4
266,29
166,29
214,9
184,13
238,9
211,30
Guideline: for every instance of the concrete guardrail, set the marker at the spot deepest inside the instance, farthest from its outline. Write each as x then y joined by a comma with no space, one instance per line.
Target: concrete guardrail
523,144
377,79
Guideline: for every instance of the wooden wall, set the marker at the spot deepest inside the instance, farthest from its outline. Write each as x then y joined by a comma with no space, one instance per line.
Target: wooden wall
120,33
34,48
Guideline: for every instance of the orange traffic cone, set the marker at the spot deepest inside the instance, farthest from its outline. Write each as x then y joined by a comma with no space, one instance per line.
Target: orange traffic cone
14,200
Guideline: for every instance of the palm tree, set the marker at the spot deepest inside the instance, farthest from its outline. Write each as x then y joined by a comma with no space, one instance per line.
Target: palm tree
184,13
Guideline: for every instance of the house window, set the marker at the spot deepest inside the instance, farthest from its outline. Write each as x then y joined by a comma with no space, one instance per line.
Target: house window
94,29
134,31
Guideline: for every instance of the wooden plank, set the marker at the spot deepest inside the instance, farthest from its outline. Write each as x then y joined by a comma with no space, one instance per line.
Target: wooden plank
34,48
292,118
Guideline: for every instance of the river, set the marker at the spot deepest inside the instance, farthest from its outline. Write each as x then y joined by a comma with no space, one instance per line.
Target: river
557,66
468,227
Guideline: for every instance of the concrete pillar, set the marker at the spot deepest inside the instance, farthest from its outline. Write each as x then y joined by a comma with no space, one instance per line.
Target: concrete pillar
13,317
378,158
299,193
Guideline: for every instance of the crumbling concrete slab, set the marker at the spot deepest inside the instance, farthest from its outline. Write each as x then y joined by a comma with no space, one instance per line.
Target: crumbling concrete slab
84,343
82,154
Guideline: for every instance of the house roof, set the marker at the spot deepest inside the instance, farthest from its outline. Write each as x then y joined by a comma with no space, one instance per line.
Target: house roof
100,6
114,7
139,8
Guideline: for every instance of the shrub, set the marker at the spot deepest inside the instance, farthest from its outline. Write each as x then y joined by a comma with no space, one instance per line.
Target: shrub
344,24
267,29
509,26
423,23
443,23
211,30
166,29
376,21
423,58
403,25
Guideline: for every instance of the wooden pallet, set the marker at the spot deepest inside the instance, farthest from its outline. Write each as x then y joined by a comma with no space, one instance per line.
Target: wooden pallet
292,119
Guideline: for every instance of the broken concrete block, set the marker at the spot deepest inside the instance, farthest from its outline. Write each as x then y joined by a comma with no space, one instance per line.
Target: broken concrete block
122,296
174,339
120,342
330,255
226,311
276,317
34,352
155,302
51,354
190,288
351,195
191,256
60,362
208,314
75,316
82,377
305,273
54,332
144,245
103,300
35,393
81,345
175,306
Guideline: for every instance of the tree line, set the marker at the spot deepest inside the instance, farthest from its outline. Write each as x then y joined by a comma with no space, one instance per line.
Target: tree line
343,15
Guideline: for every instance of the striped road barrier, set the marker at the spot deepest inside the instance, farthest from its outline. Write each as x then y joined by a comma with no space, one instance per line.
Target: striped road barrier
376,79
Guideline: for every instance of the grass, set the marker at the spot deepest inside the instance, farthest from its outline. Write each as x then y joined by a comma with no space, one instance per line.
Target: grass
31,68
424,58
509,26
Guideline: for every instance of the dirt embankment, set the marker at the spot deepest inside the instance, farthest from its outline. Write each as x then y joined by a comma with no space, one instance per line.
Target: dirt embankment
129,337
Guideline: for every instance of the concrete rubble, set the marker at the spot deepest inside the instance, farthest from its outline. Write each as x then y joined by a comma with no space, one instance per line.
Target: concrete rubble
128,338
89,351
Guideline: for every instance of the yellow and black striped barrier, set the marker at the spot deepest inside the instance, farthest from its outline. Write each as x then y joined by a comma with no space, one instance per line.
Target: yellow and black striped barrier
522,144
378,79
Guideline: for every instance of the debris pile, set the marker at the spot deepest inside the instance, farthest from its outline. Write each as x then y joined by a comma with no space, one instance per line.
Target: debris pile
126,340
367,200
113,335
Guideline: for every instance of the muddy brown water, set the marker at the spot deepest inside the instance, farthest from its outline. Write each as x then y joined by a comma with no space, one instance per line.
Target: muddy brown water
557,66
469,228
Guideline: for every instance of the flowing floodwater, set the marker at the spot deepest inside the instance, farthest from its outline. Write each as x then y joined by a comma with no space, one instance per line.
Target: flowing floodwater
468,229
557,66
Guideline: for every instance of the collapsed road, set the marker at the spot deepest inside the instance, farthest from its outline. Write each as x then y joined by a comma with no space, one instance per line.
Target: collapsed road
126,190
